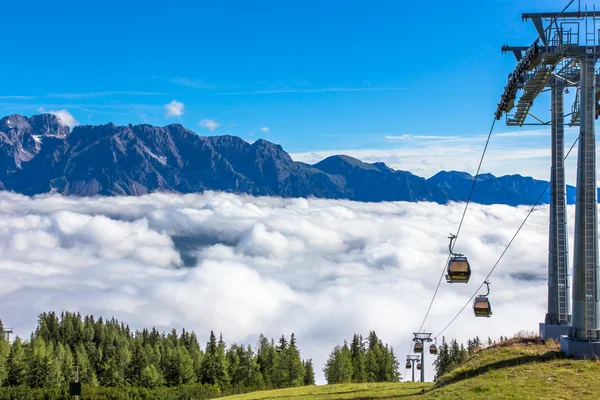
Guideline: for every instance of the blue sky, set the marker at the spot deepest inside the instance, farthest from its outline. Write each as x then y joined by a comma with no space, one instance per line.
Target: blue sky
320,75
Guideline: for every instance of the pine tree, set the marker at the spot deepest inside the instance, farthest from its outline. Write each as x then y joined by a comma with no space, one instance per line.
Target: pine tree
332,366
180,367
139,361
338,368
254,379
266,361
86,372
236,372
443,359
309,373
358,359
280,375
193,348
67,364
282,343
213,369
4,353
150,377
56,354
38,364
15,364
294,369
393,367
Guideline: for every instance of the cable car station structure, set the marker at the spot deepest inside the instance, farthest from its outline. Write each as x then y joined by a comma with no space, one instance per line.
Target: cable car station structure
564,56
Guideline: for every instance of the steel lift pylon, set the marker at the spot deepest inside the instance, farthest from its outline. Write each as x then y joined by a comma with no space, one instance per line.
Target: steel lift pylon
561,57
421,338
412,359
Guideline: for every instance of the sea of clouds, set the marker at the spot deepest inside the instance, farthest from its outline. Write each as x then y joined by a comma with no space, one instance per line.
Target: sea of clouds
243,265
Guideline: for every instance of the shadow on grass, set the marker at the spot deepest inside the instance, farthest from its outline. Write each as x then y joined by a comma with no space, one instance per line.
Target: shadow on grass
328,396
512,362
417,391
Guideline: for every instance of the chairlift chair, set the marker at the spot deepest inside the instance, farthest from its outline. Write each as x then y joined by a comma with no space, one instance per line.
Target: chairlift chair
481,305
458,269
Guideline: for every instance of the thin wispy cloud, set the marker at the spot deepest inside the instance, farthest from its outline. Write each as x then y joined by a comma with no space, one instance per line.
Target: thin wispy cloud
322,90
193,83
17,97
323,269
432,157
522,134
428,137
265,129
209,124
80,95
99,94
537,132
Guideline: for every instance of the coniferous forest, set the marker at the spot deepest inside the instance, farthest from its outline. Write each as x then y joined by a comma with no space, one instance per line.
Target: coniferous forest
369,361
115,363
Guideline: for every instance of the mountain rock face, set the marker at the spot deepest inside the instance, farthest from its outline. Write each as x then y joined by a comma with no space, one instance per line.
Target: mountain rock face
39,155
512,190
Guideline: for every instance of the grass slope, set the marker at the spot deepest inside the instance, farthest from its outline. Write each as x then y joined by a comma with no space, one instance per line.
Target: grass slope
521,368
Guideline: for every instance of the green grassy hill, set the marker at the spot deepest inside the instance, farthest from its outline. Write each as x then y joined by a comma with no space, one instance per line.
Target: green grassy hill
522,368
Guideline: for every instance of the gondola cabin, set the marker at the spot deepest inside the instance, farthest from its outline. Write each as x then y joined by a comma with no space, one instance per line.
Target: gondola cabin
433,349
482,307
418,347
458,270
419,366
408,365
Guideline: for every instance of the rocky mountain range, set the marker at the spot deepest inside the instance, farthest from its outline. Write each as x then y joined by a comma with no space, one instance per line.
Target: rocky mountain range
39,155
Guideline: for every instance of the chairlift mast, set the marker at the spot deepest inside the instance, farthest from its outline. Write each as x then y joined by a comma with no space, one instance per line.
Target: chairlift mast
411,359
7,332
561,58
421,338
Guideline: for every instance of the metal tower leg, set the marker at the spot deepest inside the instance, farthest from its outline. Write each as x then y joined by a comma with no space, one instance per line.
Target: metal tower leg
584,336
558,317
423,365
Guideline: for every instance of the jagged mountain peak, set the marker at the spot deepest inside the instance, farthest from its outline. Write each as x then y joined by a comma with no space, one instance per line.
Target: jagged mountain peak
38,155
39,124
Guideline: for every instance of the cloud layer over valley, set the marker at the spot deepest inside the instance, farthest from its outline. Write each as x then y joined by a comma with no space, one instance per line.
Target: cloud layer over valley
243,265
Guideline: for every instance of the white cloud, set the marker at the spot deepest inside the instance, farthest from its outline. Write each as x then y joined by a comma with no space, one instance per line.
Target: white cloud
265,129
64,117
322,90
174,109
209,124
194,83
323,269
501,158
523,133
428,137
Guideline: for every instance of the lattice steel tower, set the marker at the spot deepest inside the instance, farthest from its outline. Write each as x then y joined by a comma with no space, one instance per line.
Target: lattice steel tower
565,59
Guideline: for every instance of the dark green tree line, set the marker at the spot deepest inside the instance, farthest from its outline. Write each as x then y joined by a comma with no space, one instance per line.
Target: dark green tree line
108,354
362,362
